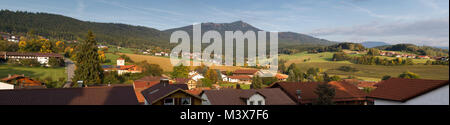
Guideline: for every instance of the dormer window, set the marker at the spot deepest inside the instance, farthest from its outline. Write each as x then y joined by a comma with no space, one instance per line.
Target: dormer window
168,101
260,102
252,103
186,101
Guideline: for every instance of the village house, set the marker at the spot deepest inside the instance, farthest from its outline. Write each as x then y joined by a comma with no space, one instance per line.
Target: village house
249,72
281,77
243,79
164,93
303,93
423,57
266,73
361,84
102,46
10,38
40,57
268,96
144,83
19,82
121,68
107,95
398,91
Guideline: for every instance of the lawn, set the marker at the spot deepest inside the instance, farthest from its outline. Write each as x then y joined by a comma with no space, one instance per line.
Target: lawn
33,72
376,72
111,49
313,57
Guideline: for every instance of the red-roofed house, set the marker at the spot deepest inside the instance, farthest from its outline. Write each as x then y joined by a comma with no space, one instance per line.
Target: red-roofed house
249,72
303,93
244,79
144,83
21,82
397,91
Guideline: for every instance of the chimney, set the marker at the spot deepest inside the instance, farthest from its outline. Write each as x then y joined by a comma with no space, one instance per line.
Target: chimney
164,81
298,93
238,86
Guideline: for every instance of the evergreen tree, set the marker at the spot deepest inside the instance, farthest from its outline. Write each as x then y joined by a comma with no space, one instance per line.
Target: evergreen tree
325,93
87,62
256,82
291,76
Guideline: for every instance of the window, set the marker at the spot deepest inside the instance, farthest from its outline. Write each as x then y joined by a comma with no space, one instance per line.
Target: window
259,102
186,101
168,101
252,103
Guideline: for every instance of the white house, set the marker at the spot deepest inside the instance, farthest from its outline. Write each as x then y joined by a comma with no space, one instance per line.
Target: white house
40,57
396,91
6,86
195,76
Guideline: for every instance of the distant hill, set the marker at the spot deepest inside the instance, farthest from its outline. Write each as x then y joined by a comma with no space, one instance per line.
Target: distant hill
411,48
442,47
67,28
285,39
372,44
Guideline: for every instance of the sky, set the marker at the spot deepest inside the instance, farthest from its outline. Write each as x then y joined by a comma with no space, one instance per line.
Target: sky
421,22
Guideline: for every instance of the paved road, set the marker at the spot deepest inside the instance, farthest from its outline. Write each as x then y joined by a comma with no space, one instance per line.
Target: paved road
70,69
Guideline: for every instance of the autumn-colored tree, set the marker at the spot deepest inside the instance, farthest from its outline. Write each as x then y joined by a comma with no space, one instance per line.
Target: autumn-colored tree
60,46
22,46
46,46
212,75
101,56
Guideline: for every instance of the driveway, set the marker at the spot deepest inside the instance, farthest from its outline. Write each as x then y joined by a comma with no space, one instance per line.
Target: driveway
70,69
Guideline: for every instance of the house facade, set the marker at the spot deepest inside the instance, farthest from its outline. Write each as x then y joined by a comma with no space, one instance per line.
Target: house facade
42,58
21,82
397,91
6,86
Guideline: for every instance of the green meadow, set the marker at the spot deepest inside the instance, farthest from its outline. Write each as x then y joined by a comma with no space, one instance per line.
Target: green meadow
33,72
365,72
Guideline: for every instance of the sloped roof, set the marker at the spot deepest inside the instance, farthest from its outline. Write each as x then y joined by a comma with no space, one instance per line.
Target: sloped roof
33,54
273,96
158,91
344,91
151,78
245,71
116,95
245,77
398,89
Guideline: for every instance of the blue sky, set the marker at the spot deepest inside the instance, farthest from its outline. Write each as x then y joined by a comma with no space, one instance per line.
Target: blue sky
423,22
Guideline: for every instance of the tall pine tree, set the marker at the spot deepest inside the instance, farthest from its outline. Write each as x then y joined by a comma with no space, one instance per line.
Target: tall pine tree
88,67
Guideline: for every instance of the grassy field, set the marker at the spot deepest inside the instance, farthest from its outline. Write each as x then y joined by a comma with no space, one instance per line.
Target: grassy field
33,72
366,72
121,50
376,72
300,58
326,57
165,64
